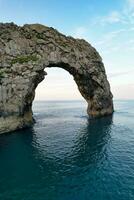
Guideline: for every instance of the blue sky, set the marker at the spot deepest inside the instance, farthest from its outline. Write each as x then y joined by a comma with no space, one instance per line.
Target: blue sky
107,24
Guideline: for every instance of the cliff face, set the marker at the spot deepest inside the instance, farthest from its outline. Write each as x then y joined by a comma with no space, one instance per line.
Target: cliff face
24,54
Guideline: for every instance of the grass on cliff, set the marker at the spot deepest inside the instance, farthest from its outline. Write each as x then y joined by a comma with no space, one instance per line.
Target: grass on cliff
24,59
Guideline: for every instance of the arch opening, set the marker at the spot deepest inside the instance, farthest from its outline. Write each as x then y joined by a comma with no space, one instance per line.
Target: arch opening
58,85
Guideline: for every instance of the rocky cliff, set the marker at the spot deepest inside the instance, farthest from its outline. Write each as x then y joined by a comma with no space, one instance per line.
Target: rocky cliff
26,51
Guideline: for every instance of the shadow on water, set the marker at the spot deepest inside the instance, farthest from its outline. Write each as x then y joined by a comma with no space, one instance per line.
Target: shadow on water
92,141
28,167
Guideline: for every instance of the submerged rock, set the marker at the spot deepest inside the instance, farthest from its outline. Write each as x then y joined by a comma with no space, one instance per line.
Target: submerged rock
24,54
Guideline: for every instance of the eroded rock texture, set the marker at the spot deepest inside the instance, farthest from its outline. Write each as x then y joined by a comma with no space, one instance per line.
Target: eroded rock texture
24,54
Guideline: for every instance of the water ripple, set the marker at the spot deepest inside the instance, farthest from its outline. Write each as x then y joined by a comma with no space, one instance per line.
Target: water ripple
68,156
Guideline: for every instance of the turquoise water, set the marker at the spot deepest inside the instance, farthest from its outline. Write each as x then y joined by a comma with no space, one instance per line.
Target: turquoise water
66,156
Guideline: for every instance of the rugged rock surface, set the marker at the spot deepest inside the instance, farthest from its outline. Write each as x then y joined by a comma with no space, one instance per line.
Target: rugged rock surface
24,54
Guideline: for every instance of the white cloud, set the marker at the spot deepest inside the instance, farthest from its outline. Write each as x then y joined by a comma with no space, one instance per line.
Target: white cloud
130,4
128,11
113,17
124,16
107,38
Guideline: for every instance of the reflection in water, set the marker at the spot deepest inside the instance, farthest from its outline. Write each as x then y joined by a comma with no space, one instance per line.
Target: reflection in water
67,157
91,144
50,170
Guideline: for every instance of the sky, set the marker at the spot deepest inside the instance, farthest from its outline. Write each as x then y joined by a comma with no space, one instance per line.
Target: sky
107,24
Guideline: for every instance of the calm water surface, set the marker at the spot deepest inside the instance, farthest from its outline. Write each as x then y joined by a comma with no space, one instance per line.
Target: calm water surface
66,156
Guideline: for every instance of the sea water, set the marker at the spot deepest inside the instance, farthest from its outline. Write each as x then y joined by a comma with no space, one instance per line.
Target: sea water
67,156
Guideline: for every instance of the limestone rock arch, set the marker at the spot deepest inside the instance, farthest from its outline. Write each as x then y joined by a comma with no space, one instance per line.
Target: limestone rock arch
26,51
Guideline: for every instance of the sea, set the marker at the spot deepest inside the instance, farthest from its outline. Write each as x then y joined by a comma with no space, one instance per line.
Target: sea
67,156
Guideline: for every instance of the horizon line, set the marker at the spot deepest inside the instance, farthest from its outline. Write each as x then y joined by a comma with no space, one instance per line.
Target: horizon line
80,100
